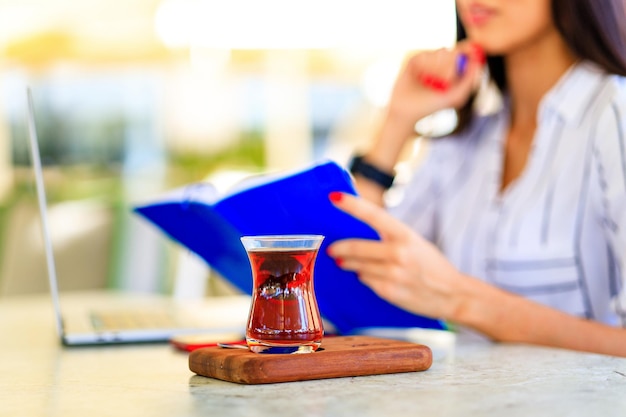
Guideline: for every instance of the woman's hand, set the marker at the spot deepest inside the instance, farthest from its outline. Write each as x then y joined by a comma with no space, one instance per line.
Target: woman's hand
436,80
411,273
430,81
403,268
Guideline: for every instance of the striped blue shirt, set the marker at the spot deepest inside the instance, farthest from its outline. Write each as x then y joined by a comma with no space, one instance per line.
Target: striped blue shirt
557,234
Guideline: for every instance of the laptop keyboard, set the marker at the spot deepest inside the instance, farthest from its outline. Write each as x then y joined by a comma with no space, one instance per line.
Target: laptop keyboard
135,319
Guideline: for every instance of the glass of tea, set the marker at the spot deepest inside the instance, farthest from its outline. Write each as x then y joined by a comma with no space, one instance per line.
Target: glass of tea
284,316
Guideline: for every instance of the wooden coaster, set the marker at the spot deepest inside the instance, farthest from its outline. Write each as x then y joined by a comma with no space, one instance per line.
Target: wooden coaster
341,356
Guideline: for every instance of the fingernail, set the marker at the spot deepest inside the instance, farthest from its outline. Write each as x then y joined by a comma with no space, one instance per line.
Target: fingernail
434,82
479,53
426,80
335,196
338,262
440,85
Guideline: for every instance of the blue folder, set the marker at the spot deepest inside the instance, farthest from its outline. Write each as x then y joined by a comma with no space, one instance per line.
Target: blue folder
292,203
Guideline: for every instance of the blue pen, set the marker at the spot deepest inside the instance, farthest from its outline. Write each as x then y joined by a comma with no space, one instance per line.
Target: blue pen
461,64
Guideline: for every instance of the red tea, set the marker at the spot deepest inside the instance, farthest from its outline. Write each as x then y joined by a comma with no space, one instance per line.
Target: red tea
284,310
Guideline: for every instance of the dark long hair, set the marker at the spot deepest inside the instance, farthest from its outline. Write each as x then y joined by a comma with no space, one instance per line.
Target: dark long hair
594,30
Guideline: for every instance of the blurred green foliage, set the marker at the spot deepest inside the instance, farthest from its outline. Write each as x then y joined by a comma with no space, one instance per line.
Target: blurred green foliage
247,153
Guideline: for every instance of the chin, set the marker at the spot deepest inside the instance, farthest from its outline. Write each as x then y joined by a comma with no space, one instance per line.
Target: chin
487,43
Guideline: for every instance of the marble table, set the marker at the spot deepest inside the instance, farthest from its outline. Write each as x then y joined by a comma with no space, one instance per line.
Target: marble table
469,376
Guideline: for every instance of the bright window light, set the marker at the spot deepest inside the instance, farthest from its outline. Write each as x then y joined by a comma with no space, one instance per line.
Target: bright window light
270,24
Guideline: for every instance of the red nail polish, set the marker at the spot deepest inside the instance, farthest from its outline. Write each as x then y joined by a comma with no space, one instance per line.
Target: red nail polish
426,80
479,54
440,85
335,196
434,82
339,262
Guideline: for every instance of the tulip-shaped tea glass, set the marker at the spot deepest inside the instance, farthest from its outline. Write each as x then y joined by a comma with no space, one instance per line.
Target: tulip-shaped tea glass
284,316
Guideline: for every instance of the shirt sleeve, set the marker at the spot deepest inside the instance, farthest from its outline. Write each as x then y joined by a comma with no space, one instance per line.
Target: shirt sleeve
420,197
610,163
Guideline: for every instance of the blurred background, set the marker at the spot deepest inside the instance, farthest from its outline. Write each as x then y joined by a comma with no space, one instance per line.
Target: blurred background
137,97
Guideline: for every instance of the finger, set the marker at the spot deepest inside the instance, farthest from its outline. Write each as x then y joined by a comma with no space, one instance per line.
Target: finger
447,69
379,276
386,225
380,286
472,50
440,71
469,65
387,289
470,80
355,252
362,266
470,61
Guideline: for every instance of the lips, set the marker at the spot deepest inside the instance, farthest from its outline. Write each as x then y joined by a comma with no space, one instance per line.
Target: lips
477,14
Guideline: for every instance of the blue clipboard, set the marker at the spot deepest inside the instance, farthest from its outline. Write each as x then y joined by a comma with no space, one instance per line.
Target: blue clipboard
294,203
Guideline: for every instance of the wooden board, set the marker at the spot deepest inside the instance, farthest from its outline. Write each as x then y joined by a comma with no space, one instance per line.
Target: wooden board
341,356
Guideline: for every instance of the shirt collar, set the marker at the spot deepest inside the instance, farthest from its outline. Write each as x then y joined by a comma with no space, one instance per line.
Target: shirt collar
570,97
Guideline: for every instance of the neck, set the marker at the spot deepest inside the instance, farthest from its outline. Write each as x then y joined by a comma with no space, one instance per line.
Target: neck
531,72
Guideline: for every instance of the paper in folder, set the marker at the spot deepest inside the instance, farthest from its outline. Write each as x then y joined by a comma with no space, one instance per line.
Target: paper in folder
291,203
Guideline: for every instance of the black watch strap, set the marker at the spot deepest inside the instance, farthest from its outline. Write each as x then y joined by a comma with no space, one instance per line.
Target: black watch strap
358,165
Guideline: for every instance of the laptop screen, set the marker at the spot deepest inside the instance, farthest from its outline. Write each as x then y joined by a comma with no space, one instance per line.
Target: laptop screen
43,212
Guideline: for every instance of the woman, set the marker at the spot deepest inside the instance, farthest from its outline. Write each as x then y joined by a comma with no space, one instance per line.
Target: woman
515,225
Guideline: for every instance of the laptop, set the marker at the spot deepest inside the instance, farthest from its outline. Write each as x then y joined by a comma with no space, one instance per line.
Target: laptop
128,318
